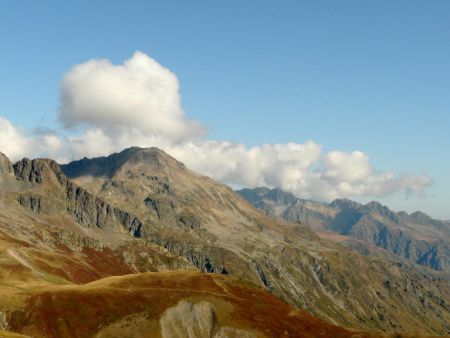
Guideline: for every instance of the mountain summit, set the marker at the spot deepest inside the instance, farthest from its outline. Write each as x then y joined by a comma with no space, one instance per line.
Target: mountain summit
108,166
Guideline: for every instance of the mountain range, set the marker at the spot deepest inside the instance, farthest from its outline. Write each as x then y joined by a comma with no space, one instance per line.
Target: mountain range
416,236
135,244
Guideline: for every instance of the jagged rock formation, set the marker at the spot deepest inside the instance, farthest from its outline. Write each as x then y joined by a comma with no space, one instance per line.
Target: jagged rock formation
416,237
52,193
208,224
5,165
51,229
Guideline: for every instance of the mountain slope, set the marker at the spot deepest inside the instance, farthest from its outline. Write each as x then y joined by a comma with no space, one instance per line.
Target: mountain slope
416,237
52,231
54,236
162,304
216,230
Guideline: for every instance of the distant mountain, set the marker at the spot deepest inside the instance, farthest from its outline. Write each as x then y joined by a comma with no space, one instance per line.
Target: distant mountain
415,236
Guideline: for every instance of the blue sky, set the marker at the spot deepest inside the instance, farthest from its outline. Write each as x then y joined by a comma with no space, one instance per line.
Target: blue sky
372,76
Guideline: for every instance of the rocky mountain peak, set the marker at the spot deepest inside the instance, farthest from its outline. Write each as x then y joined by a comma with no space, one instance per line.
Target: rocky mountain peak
420,216
253,194
402,214
376,206
344,203
281,196
5,165
108,166
151,156
416,237
38,171
276,195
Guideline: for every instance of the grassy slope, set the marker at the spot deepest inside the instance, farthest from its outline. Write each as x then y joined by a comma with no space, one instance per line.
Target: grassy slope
134,303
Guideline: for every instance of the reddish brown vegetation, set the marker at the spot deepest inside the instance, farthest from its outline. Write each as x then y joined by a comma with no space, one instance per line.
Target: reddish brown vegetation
80,311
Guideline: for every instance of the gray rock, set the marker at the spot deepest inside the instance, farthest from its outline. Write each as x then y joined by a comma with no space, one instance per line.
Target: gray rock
5,165
188,320
399,233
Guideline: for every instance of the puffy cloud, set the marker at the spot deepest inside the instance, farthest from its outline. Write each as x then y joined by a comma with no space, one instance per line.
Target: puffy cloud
300,168
138,104
351,167
140,94
16,144
12,142
266,165
98,141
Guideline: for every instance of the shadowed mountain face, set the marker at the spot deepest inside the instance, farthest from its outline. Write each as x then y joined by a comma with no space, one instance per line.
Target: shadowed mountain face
416,237
141,210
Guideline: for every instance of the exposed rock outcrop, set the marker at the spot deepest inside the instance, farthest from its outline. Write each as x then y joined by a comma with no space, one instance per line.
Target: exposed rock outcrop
5,165
53,192
198,320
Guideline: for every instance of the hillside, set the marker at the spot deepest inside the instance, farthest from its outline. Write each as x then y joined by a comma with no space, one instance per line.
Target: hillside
208,224
59,244
148,212
162,304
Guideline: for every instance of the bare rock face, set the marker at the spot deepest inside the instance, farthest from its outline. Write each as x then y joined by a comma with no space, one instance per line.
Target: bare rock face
231,332
5,165
7,179
187,320
51,192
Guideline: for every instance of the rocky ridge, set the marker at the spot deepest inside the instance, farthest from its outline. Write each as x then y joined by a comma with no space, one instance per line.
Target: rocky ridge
416,237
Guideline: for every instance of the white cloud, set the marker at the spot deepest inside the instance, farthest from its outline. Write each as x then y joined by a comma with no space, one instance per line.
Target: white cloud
12,142
99,141
268,164
16,144
350,167
140,94
300,168
138,104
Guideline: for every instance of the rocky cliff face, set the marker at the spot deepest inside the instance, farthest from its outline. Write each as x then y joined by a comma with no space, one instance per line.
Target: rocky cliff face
416,237
52,192
53,230
212,227
5,165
